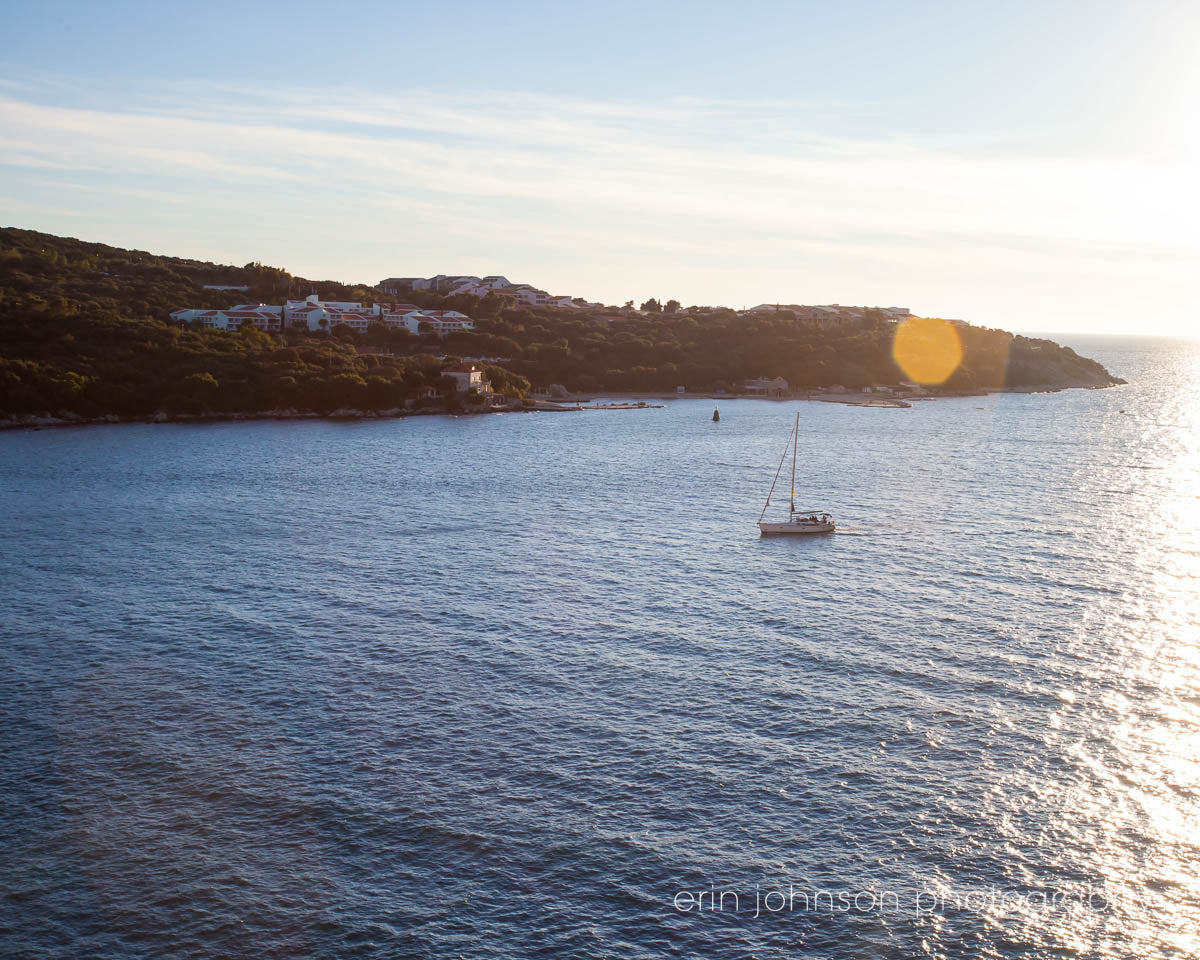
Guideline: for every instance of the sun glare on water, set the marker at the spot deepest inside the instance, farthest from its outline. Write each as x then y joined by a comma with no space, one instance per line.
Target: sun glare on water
1141,796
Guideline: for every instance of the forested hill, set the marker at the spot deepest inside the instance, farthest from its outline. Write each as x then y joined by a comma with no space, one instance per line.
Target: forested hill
84,329
40,272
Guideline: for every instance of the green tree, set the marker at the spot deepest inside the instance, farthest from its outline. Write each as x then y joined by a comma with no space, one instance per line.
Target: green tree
252,337
204,382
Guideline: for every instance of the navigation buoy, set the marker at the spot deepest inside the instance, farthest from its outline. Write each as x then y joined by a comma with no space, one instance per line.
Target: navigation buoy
716,416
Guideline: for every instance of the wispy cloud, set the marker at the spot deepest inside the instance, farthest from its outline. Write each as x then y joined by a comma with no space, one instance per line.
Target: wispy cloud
708,200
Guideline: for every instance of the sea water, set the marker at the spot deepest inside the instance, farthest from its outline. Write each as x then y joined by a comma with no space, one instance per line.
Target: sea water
533,686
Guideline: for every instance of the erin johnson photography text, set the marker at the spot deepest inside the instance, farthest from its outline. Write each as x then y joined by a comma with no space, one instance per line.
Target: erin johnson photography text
762,901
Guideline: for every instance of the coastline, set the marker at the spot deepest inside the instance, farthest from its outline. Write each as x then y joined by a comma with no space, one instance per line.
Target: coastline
852,398
40,422
35,422
569,404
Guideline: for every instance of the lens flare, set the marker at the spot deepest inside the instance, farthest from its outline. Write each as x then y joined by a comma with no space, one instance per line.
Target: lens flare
927,349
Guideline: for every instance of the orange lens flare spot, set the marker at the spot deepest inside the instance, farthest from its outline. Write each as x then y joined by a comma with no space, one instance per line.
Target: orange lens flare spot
927,349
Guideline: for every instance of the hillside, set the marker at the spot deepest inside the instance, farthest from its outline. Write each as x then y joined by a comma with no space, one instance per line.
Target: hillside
84,329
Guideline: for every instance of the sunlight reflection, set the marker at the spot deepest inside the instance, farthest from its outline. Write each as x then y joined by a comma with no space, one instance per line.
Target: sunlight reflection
1144,793
1120,803
927,349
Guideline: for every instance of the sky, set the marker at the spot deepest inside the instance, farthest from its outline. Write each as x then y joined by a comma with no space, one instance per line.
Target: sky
1031,166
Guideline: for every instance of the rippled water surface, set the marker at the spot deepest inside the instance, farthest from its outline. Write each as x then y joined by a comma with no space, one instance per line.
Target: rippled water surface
524,685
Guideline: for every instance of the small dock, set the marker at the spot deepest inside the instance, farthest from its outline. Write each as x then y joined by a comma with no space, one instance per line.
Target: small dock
874,402
548,406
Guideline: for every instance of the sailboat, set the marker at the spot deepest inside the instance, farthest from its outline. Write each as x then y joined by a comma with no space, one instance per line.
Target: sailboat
798,521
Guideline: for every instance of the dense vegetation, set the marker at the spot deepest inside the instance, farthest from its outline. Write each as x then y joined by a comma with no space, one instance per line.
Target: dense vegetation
84,329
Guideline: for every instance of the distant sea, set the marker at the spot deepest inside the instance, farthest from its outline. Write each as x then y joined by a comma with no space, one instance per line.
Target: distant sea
524,686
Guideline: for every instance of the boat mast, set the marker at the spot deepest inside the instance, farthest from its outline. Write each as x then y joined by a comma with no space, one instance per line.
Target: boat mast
774,481
795,444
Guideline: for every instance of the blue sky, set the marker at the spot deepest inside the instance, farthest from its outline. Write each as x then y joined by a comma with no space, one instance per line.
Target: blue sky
1016,164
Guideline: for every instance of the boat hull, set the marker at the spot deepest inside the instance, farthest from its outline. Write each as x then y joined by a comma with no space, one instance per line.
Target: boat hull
795,528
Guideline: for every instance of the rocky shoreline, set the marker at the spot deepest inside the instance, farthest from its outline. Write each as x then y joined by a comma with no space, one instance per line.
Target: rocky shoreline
38,422
626,401
44,421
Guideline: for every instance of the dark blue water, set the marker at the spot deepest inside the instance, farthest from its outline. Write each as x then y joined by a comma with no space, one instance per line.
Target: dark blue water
525,685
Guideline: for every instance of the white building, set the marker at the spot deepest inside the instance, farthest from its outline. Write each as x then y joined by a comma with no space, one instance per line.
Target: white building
447,321
467,376
766,387
523,293
830,316
314,314
482,287
444,282
317,314
440,322
398,285
264,316
529,295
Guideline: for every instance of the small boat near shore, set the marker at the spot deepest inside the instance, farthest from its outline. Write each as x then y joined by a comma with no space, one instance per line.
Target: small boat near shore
798,522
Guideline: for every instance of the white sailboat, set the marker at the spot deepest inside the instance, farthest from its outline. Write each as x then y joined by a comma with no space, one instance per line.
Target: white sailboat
798,521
